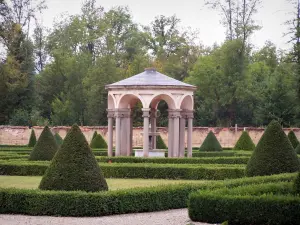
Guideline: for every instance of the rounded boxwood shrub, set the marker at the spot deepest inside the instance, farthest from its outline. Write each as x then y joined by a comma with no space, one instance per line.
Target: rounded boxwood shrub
58,139
94,135
32,139
45,147
160,144
244,143
273,154
293,139
211,143
98,142
74,166
297,184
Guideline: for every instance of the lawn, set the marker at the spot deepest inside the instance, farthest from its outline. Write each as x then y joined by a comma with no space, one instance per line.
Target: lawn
32,182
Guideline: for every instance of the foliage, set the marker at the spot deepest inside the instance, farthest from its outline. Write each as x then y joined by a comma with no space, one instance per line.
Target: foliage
160,144
98,142
293,139
210,143
58,139
245,142
74,166
45,147
20,117
32,139
297,184
273,154
297,149
94,135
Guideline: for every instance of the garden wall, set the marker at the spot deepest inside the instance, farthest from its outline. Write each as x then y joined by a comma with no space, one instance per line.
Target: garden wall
19,135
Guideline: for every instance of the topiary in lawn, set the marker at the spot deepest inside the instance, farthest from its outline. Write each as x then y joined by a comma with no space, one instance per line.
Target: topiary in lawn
58,139
45,148
98,142
297,184
297,150
94,135
211,143
74,166
293,139
273,154
244,143
160,144
32,139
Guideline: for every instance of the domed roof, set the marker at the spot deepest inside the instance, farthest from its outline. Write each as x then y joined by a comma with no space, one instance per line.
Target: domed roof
150,77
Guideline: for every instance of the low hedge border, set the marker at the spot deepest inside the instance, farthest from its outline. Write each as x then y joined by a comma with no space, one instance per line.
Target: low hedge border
59,203
204,160
146,171
269,203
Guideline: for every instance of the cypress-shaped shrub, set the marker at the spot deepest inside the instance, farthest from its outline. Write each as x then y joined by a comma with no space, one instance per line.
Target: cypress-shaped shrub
211,143
293,139
94,135
297,184
273,154
297,150
58,139
32,139
74,166
160,144
45,147
98,142
244,143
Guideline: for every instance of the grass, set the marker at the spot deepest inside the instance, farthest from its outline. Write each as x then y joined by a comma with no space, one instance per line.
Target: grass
32,182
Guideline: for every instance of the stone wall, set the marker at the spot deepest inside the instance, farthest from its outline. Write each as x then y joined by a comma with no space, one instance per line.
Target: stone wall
17,135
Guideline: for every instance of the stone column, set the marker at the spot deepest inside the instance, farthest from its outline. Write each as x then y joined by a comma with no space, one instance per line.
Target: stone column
176,117
170,135
190,117
182,136
128,133
125,131
153,117
110,116
118,134
131,133
146,115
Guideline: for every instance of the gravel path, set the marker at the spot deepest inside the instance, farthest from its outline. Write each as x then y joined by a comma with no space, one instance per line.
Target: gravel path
170,217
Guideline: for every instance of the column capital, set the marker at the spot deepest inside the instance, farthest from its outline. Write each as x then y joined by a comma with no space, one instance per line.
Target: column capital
122,113
110,113
174,113
187,114
153,113
146,112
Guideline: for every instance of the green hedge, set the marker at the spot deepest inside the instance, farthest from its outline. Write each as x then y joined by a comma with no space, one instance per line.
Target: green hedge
75,203
270,203
208,160
146,171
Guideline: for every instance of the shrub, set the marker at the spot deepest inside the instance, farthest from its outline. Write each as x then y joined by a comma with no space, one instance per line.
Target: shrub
245,142
98,142
94,135
32,139
45,147
58,139
210,143
297,150
273,154
293,139
74,166
297,184
160,144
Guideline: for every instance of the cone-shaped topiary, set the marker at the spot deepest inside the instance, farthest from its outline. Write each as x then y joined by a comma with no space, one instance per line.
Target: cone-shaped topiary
94,135
160,144
45,147
244,143
297,150
293,139
32,139
58,139
74,166
297,184
273,154
211,143
98,142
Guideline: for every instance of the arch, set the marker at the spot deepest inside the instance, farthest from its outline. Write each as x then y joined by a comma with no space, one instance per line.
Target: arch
167,98
111,102
128,101
187,102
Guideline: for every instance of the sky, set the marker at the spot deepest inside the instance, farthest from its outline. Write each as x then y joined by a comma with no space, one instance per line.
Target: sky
193,13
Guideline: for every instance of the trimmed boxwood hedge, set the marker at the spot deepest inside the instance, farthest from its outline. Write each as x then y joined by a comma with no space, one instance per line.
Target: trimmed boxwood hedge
32,139
211,143
297,184
98,142
293,139
94,135
259,204
76,203
58,139
160,144
273,154
244,143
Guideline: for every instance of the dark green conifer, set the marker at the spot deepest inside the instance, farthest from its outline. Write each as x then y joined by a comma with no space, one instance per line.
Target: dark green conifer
98,142
160,144
211,143
58,139
245,142
32,139
293,139
94,135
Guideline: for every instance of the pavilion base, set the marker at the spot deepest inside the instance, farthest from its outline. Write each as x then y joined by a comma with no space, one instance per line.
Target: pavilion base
152,153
